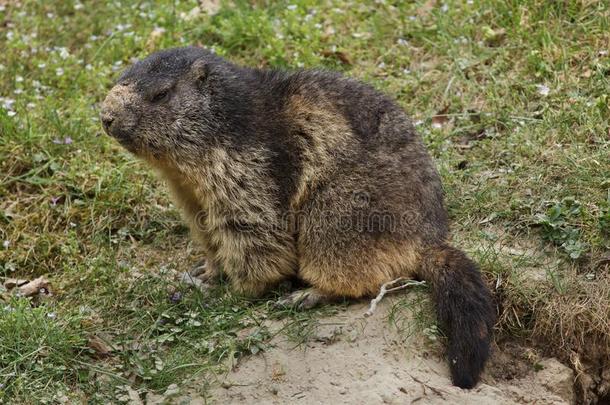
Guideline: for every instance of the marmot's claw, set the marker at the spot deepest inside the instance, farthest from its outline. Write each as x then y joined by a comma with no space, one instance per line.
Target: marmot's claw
204,271
199,268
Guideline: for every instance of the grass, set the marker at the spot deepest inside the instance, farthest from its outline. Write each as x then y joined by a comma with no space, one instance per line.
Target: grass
511,98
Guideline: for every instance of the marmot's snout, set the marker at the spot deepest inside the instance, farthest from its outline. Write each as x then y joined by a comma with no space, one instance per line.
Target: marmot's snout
118,113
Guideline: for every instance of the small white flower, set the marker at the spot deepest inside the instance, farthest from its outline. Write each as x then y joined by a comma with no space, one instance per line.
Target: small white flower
402,42
42,65
10,35
78,6
122,27
543,90
444,8
18,79
7,103
30,105
6,244
88,66
11,113
18,91
406,71
50,15
59,71
63,53
291,7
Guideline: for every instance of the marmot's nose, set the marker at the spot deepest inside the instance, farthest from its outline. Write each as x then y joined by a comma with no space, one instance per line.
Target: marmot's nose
107,120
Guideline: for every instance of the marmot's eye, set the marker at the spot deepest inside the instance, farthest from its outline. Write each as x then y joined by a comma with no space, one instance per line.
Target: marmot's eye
162,95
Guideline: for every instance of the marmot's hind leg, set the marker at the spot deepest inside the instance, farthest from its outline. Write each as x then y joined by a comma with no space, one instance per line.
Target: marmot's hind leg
357,274
304,299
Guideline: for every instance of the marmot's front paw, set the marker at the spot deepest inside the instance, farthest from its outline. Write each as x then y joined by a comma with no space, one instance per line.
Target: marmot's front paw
203,275
205,271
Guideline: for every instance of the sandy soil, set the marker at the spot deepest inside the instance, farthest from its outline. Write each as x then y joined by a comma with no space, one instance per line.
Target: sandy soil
357,360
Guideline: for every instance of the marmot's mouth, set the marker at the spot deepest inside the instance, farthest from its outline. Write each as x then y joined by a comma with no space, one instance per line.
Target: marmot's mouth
127,143
126,140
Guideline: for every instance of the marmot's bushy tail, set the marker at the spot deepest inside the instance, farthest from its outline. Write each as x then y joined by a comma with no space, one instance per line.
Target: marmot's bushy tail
464,309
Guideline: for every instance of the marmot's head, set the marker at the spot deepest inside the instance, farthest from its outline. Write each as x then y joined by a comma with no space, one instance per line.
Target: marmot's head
166,102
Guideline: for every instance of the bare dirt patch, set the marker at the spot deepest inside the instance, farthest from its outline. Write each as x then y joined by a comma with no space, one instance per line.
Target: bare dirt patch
358,360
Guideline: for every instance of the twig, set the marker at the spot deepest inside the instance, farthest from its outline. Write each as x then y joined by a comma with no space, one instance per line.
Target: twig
385,289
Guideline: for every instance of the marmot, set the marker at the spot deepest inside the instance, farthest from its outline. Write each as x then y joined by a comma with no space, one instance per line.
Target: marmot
304,174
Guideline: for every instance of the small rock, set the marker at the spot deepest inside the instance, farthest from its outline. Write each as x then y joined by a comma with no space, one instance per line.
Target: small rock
171,390
557,378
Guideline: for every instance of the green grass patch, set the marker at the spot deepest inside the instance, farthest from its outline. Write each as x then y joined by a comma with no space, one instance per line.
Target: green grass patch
511,98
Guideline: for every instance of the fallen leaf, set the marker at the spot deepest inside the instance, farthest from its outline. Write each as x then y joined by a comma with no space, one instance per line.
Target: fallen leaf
440,118
38,285
11,283
100,346
133,396
340,55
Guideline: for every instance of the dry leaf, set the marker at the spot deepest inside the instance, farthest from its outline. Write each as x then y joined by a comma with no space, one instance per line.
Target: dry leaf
11,283
441,118
39,285
341,56
99,345
134,397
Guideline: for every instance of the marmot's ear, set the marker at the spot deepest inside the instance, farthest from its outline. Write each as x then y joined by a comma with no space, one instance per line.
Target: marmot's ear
199,70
